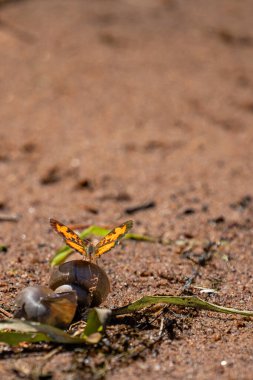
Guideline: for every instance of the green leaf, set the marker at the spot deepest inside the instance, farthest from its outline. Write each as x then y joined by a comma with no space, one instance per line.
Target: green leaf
25,331
60,256
96,321
100,231
185,301
14,337
62,253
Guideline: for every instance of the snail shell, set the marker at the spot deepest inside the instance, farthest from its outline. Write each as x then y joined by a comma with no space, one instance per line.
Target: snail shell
41,304
88,280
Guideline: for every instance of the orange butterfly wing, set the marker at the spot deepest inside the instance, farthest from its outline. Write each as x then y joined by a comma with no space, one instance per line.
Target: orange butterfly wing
112,238
69,236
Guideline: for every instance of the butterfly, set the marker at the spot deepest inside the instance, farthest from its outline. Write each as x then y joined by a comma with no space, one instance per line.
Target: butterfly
85,247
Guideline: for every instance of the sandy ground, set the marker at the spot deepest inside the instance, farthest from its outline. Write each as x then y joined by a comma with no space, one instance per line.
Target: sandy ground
106,105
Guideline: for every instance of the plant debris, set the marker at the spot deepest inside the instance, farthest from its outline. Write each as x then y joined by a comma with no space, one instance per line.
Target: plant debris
242,204
189,211
141,207
3,248
15,331
52,176
84,184
9,217
218,220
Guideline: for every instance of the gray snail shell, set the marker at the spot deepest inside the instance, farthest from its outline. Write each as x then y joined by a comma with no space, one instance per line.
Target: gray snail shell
41,304
87,279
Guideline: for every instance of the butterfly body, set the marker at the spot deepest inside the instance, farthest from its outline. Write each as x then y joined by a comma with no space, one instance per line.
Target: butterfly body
85,247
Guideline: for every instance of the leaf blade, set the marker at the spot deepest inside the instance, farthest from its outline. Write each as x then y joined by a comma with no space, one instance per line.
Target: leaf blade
46,332
185,301
96,321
